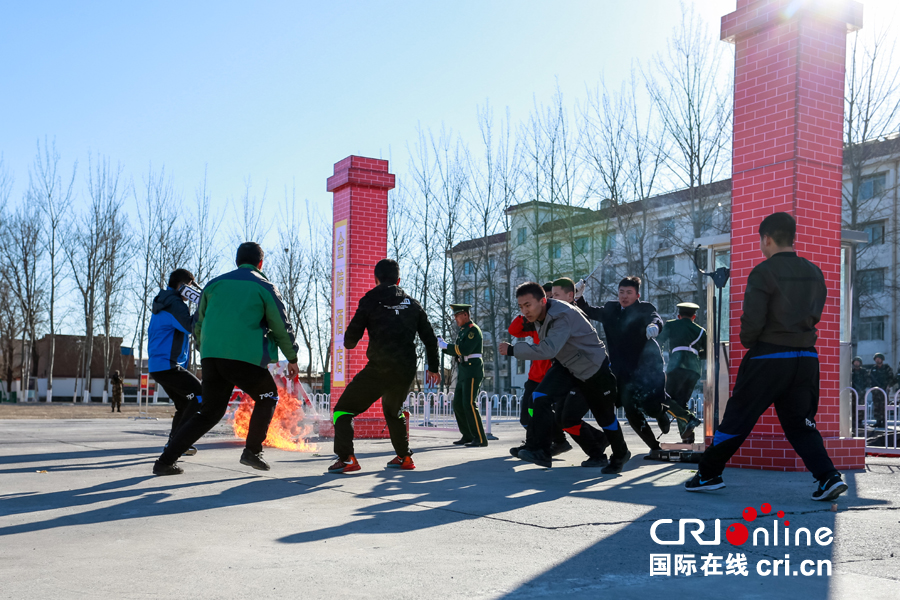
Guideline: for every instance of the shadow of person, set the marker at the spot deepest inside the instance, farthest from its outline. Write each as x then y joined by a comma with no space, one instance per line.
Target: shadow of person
619,564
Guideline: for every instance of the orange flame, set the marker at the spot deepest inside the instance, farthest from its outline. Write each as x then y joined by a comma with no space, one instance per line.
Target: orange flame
287,430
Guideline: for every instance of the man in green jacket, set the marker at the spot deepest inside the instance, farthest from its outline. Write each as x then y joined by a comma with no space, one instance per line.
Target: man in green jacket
467,351
687,345
241,324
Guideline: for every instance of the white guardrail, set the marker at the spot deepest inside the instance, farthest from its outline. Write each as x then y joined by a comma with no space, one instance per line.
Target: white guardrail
877,424
434,410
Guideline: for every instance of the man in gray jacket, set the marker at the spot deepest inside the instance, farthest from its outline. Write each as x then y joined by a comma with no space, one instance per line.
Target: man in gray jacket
581,363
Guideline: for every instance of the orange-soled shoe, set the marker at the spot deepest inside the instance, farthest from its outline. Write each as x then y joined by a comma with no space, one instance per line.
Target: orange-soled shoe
345,466
405,462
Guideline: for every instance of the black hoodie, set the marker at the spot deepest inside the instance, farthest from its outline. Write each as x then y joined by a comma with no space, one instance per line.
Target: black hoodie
393,319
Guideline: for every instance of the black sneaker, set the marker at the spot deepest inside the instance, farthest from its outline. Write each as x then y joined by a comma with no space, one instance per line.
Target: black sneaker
163,469
558,448
461,442
254,460
598,463
689,429
515,451
190,451
538,457
616,464
699,484
830,488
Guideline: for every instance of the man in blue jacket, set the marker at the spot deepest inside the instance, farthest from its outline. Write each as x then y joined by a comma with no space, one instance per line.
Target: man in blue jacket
168,338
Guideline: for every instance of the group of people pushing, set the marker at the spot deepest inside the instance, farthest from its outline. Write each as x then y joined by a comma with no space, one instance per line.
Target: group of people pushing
572,370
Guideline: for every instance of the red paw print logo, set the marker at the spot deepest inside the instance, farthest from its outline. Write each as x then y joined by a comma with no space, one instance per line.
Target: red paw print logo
737,533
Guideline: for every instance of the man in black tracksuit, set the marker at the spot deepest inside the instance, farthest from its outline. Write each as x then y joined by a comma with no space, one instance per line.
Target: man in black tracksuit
392,319
630,327
783,302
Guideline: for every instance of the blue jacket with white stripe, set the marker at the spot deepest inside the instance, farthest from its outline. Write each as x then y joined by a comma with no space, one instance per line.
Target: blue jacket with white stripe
169,331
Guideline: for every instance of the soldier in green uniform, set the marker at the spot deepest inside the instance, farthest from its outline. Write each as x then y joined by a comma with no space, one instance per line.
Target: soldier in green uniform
467,351
882,377
687,345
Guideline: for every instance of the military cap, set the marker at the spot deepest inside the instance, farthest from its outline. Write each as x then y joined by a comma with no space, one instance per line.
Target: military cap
458,308
878,355
856,358
688,308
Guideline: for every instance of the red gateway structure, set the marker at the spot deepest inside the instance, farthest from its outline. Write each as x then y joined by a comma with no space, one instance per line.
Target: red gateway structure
787,156
360,186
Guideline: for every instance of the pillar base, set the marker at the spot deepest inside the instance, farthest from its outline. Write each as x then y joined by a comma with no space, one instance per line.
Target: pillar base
774,453
364,428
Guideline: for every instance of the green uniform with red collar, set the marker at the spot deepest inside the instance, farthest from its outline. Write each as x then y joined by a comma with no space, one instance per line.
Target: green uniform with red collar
469,341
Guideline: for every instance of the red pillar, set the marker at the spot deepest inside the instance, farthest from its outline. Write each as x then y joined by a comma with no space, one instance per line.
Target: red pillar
787,156
360,186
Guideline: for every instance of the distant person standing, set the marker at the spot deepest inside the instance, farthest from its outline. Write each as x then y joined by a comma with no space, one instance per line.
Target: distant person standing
861,381
882,377
468,354
241,324
169,336
783,302
117,386
393,320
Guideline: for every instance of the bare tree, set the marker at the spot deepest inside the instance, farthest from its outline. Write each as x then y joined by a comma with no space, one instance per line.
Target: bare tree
117,252
10,329
295,272
249,223
84,248
871,110
22,249
47,190
692,97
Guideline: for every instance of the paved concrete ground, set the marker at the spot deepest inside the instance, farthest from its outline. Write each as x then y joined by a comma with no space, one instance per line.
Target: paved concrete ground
81,517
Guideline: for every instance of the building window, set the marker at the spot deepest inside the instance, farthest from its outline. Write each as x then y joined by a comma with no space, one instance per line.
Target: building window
520,366
871,329
875,231
488,295
872,186
665,233
702,258
492,264
468,268
520,270
666,304
870,281
555,250
582,245
521,235
665,266
468,296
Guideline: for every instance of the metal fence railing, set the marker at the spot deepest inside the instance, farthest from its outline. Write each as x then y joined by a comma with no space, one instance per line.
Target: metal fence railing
875,419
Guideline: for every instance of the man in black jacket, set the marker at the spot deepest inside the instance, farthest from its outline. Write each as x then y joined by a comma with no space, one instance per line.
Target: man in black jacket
783,302
630,327
393,319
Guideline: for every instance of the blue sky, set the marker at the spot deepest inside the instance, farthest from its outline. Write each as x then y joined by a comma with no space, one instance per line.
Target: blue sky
280,91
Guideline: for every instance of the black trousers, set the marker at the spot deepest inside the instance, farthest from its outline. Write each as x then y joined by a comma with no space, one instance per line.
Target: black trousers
642,393
789,379
526,411
184,389
598,394
370,384
680,385
220,377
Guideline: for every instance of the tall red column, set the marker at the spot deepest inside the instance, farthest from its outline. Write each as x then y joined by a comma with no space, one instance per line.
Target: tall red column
360,186
787,156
